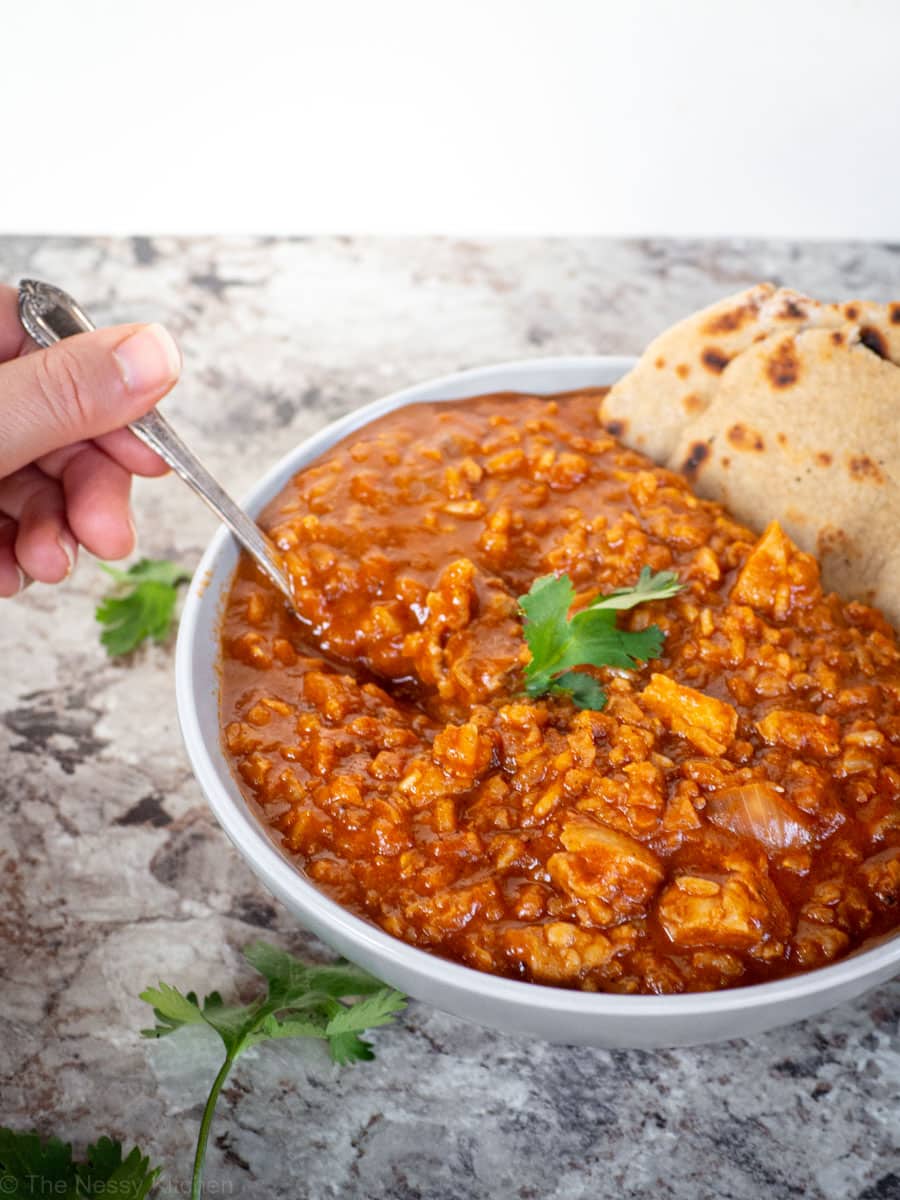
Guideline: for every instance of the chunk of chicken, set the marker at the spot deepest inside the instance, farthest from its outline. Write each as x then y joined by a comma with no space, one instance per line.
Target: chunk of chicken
708,723
814,945
606,873
452,908
882,875
736,910
463,751
558,952
776,575
811,733
470,638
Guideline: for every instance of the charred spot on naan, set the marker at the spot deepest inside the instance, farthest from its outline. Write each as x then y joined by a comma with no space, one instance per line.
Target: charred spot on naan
714,360
864,469
793,310
874,341
823,458
697,456
783,366
616,427
894,314
743,437
731,320
832,542
692,403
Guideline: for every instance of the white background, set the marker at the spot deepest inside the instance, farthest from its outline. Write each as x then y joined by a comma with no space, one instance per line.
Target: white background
773,117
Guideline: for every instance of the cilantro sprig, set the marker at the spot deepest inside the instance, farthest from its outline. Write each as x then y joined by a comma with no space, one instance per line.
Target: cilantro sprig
141,606
34,1166
559,644
301,1000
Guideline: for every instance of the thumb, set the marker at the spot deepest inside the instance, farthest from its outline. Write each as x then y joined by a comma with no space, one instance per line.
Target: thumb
82,387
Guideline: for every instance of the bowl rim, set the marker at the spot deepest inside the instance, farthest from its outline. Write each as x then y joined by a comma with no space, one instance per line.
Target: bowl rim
280,875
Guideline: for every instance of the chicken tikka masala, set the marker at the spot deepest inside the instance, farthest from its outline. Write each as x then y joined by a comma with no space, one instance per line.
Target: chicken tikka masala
730,815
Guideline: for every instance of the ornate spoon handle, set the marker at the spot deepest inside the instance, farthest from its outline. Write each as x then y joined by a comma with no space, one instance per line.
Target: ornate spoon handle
49,315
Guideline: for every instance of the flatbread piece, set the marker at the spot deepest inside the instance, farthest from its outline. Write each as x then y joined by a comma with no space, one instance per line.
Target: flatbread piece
783,408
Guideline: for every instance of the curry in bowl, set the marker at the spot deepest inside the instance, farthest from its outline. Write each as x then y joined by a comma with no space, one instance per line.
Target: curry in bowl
725,813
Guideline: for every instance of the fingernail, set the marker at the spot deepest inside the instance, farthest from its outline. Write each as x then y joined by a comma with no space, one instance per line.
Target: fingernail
67,545
24,580
133,528
149,359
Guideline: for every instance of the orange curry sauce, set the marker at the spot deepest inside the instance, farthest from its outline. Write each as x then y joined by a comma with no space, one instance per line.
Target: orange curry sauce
731,816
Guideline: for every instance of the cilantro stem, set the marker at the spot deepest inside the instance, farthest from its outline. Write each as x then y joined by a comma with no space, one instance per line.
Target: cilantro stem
203,1135
302,1000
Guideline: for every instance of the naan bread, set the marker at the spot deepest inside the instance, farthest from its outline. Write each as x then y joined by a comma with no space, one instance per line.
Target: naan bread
679,372
805,428
782,408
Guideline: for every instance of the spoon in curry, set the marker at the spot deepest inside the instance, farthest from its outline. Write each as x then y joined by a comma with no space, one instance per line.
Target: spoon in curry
49,315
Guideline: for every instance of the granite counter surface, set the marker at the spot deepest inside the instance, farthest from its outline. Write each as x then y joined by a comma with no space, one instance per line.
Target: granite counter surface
114,874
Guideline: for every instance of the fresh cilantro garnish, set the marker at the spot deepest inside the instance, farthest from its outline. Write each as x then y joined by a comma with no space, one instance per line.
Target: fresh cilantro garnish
559,644
584,690
33,1166
145,609
302,1000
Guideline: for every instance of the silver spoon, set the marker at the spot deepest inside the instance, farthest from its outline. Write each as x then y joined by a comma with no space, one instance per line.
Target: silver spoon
49,315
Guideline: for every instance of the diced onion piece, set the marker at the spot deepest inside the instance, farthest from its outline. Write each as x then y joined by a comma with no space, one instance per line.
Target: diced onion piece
759,811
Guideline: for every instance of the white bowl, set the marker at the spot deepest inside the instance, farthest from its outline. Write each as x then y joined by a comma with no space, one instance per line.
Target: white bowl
555,1014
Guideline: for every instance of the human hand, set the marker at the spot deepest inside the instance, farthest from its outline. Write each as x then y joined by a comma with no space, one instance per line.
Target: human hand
66,458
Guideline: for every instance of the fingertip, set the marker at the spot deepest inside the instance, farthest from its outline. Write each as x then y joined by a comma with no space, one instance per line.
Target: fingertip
109,536
12,578
129,452
153,468
97,494
44,548
149,360
69,547
22,581
127,534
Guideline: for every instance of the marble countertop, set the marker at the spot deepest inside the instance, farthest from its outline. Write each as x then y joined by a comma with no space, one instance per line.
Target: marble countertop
114,874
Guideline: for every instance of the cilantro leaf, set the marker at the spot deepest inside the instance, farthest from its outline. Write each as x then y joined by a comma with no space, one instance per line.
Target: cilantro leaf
597,640
301,1000
289,978
149,570
142,606
345,1026
659,585
546,609
582,689
171,1009
369,1013
34,1166
559,644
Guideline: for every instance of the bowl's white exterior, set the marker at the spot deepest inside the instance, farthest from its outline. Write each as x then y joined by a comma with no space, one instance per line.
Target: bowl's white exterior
552,1013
